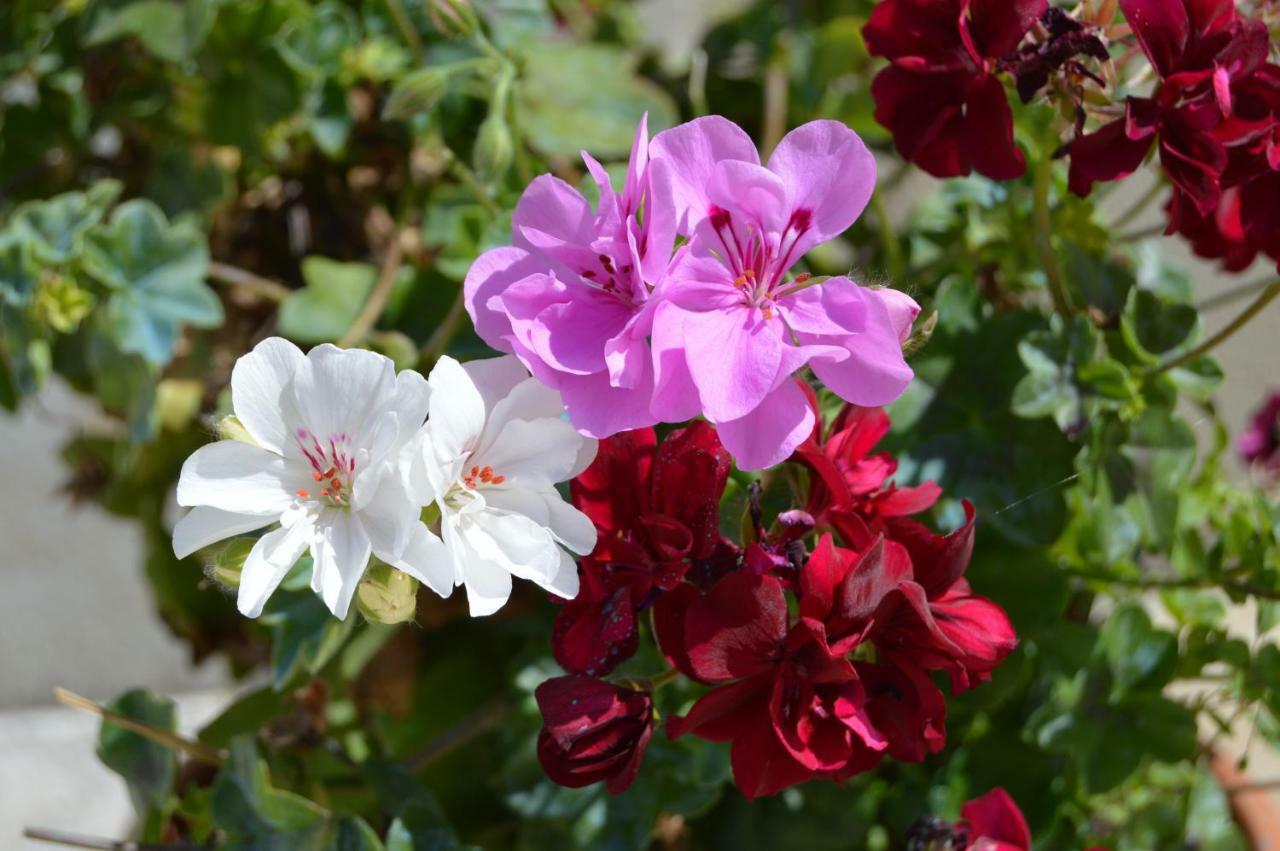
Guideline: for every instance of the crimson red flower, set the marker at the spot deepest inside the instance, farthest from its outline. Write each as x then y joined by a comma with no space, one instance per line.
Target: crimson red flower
592,731
657,510
940,97
1201,50
847,477
792,709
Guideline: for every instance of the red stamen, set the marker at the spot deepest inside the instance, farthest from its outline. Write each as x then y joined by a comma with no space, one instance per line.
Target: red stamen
302,493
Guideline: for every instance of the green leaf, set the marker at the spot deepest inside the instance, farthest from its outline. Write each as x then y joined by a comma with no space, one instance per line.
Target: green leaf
148,767
305,636
246,716
334,294
258,817
172,30
313,44
57,226
1139,655
1153,325
156,271
574,97
18,274
353,834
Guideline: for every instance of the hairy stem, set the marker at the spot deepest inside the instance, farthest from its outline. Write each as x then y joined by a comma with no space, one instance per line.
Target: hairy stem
1041,215
196,750
1255,307
408,32
224,273
894,258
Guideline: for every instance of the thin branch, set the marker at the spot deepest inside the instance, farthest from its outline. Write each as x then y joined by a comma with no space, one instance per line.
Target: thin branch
71,840
1173,583
466,176
407,30
439,339
224,273
894,258
1043,219
378,296
1234,294
196,750
1142,233
480,722
1255,307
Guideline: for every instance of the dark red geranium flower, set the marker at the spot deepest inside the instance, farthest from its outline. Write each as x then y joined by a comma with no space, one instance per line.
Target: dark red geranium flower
943,625
847,477
1200,50
1033,64
1260,444
792,709
940,97
657,510
592,731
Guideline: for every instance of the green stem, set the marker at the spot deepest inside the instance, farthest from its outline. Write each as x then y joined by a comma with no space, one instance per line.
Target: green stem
1141,233
378,296
439,339
1148,583
894,258
1043,220
657,681
224,273
407,30
1255,307
1227,296
468,178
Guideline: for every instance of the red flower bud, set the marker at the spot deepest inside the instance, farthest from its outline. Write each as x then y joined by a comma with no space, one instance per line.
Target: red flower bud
592,730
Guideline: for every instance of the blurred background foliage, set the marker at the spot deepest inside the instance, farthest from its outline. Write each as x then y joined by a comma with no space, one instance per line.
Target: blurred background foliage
179,178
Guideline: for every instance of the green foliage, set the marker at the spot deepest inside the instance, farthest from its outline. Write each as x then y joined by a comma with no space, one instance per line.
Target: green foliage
291,141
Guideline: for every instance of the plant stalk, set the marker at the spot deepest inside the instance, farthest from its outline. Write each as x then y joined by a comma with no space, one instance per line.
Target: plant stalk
1255,307
196,750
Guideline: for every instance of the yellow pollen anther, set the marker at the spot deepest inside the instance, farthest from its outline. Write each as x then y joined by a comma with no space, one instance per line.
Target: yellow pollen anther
751,274
740,281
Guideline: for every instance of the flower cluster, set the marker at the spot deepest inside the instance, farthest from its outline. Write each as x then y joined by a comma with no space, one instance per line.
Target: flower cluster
1215,117
990,822
601,305
1213,113
340,456
819,662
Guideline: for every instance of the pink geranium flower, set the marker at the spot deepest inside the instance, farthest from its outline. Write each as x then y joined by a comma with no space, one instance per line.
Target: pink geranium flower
731,327
570,297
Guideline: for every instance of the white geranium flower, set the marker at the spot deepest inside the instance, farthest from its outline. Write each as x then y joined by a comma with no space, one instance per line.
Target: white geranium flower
490,455
329,428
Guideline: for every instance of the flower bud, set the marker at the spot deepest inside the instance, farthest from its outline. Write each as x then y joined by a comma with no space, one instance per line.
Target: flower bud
61,303
453,18
592,730
230,428
229,561
387,595
494,148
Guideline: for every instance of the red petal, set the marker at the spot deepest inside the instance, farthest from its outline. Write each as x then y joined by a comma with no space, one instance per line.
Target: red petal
761,765
1106,154
913,28
880,571
995,816
987,139
611,491
999,25
721,714
1162,28
924,111
937,560
737,628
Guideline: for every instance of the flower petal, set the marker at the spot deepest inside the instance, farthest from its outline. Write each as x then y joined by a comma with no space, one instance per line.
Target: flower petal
1162,28
769,434
675,396
598,409
267,564
426,559
343,391
495,378
691,152
875,371
489,276
389,517
341,551
554,219
733,357
533,454
261,392
457,411
995,817
828,173
988,141
202,526
235,476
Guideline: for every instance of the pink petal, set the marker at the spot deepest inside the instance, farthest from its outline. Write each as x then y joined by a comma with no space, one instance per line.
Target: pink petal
598,409
733,356
769,434
874,373
902,308
833,308
566,326
675,396
749,191
829,173
491,274
691,152
554,209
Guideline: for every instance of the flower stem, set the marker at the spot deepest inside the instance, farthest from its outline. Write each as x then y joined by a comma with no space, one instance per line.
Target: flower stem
467,177
1227,296
479,722
378,296
894,259
657,681
198,751
1255,307
407,30
224,273
1173,583
443,334
1043,220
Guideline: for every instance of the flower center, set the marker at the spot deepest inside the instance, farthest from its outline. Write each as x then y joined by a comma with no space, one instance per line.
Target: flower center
481,476
333,467
611,276
759,261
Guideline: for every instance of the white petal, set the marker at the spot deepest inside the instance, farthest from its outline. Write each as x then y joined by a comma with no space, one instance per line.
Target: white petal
376,457
411,402
586,455
528,400
570,526
235,476
202,526
267,564
262,394
412,465
524,548
388,517
488,587
535,453
496,377
565,583
427,560
343,391
341,550
457,411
